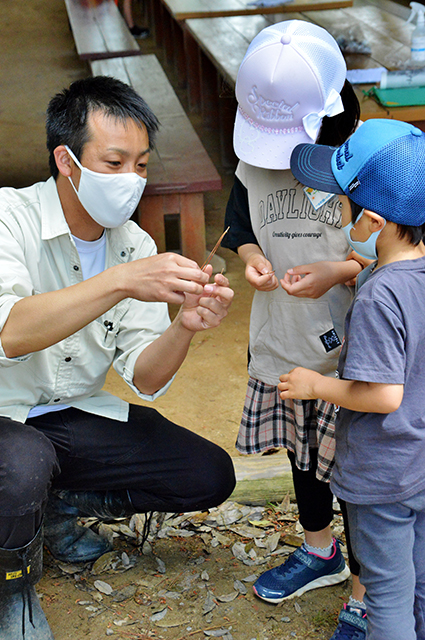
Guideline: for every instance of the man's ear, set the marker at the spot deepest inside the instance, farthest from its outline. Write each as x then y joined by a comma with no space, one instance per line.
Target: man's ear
376,221
63,161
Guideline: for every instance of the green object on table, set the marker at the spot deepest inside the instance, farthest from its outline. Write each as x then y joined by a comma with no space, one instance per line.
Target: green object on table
400,97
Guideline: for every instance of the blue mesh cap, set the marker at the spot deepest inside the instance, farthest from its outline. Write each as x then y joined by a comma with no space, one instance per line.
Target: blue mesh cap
381,168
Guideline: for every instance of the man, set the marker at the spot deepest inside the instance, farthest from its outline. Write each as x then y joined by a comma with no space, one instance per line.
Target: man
82,288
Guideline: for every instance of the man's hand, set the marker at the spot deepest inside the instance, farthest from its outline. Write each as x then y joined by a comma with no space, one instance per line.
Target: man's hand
161,360
207,310
165,277
313,280
299,384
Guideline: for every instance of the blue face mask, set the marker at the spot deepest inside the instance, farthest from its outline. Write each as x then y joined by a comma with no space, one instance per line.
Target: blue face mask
365,249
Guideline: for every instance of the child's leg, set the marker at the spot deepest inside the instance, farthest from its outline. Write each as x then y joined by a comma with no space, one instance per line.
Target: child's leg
352,619
358,590
314,500
419,562
318,563
382,537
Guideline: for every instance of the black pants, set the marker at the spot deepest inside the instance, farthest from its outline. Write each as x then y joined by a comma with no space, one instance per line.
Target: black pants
314,499
163,466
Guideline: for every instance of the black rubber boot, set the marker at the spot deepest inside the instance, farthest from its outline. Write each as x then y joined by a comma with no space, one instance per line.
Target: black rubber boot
68,541
21,615
101,504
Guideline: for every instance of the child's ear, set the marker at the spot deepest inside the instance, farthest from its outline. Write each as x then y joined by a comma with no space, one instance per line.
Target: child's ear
376,221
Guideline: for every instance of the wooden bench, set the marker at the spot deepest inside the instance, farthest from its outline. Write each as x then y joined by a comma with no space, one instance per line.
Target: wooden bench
215,47
179,169
99,30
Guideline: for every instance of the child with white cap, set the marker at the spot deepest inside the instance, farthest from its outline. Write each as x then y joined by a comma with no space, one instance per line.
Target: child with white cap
380,427
290,89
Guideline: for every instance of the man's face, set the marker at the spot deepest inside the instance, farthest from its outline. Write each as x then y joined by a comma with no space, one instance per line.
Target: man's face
115,146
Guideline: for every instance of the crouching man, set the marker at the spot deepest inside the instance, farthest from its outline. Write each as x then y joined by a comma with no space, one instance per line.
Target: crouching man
81,288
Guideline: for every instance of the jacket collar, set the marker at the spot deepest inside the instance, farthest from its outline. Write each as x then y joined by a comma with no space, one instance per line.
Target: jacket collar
54,224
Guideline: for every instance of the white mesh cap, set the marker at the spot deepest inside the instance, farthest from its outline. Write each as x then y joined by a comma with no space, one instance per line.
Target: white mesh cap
290,78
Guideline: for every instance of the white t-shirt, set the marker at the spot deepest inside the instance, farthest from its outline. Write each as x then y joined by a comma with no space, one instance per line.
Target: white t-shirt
92,258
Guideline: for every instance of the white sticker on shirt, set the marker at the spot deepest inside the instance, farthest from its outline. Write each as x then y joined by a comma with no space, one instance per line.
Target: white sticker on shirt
316,197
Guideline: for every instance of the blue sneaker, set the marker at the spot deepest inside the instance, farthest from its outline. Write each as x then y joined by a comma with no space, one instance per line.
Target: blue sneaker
352,624
301,572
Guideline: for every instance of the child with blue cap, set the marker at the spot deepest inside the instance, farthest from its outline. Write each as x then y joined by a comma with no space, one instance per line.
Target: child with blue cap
379,174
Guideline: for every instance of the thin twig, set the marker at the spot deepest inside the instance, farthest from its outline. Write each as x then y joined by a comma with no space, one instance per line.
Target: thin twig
217,244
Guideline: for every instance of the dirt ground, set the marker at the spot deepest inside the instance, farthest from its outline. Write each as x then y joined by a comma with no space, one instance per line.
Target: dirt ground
190,577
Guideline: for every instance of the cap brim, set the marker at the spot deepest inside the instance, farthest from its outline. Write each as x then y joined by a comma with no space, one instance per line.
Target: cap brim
311,165
259,148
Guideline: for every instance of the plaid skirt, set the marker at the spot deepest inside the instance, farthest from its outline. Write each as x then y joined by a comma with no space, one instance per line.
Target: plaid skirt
298,425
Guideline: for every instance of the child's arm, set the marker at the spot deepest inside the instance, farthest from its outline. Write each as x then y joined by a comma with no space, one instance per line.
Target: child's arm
313,280
368,397
259,271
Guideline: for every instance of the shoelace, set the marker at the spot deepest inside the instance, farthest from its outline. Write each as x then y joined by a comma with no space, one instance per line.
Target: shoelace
146,528
291,566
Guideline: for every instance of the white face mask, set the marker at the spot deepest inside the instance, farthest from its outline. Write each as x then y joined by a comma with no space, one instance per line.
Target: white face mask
109,198
366,249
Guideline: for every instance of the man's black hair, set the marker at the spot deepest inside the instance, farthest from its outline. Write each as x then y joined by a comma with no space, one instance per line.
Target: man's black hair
414,235
68,112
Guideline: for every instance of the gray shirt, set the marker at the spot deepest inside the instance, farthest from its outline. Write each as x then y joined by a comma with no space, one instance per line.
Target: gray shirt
380,458
287,331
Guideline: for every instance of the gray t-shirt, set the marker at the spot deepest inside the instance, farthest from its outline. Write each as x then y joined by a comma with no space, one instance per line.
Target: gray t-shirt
286,331
380,458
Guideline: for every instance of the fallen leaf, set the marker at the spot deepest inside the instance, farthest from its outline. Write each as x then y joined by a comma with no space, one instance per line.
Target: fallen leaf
228,597
240,587
159,615
209,603
103,587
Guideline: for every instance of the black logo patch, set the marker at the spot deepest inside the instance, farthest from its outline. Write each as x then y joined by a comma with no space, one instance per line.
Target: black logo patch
330,340
353,186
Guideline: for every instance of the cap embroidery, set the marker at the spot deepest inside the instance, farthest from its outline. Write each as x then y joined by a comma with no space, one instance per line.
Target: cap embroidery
342,159
264,129
270,109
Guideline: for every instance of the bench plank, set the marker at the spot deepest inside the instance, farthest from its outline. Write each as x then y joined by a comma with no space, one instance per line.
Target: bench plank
187,9
100,31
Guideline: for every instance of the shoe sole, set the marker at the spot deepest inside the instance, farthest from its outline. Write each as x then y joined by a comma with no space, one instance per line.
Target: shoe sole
324,581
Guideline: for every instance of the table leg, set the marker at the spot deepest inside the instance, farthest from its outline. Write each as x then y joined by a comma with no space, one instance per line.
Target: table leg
191,51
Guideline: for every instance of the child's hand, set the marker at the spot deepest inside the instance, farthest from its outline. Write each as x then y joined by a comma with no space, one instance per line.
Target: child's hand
259,273
313,280
299,384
